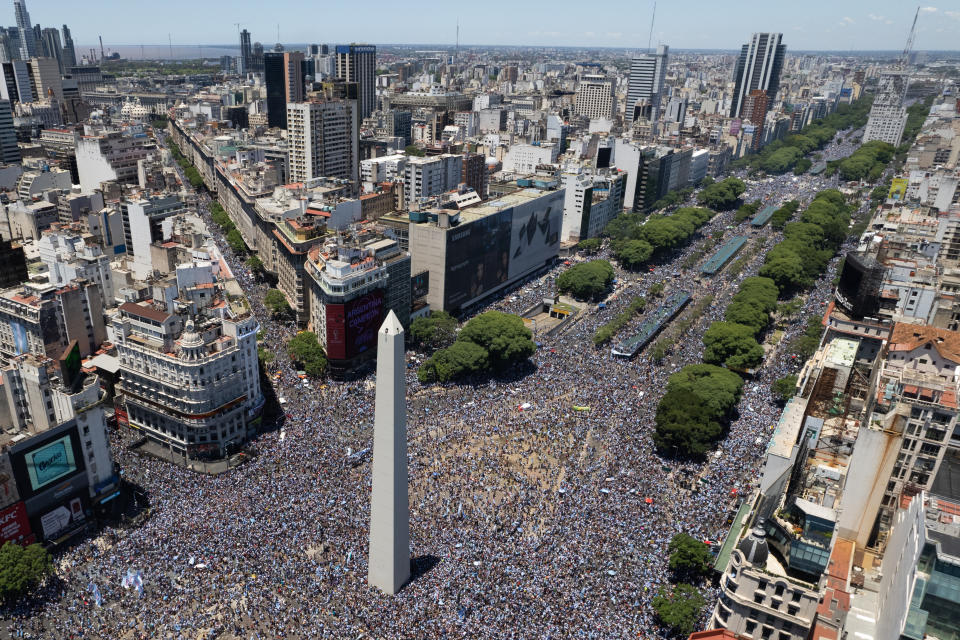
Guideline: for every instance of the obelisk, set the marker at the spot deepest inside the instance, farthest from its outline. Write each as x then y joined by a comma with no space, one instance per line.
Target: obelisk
389,561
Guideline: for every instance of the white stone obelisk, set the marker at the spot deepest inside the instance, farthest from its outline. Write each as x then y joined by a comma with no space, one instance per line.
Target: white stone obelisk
389,561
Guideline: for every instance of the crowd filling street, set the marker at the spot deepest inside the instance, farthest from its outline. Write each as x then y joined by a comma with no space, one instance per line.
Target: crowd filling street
548,522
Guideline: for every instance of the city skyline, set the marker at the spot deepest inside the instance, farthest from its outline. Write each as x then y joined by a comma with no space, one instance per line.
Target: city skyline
857,25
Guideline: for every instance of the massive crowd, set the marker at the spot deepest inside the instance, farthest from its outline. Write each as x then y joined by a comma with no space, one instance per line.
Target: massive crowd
543,523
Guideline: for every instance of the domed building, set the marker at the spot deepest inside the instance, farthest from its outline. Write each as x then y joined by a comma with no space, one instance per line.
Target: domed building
757,602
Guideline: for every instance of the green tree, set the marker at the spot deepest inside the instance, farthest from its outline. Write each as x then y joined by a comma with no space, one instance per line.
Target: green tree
689,557
590,245
732,345
434,331
695,409
255,264
656,289
679,608
787,272
632,254
414,150
803,165
460,359
235,240
304,348
503,335
586,280
276,302
21,568
784,388
723,195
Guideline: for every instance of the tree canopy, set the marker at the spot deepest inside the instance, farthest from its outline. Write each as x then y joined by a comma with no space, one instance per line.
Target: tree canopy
491,341
867,162
22,568
679,608
723,195
752,304
689,557
731,345
809,244
635,239
276,302
586,280
696,408
434,331
305,349
503,335
784,388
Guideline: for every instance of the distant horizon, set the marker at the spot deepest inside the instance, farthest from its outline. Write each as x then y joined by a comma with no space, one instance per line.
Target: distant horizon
81,48
820,25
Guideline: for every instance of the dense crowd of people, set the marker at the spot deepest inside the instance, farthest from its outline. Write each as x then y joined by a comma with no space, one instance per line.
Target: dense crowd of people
547,522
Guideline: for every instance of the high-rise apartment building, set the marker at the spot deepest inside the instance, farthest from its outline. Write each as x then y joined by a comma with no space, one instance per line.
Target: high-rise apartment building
28,45
596,97
888,117
322,139
430,176
358,63
758,68
246,52
755,110
646,85
69,56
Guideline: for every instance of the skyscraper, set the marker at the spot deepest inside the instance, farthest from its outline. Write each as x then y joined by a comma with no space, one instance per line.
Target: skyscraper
293,75
358,63
256,58
646,84
388,567
51,47
246,52
758,68
28,46
69,52
9,151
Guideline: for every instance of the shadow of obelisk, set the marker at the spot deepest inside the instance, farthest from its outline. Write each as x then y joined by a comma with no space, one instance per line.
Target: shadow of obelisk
389,562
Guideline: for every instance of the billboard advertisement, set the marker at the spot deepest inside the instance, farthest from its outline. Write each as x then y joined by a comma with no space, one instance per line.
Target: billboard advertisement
19,332
8,486
62,518
898,189
50,462
535,233
14,525
478,258
41,464
352,327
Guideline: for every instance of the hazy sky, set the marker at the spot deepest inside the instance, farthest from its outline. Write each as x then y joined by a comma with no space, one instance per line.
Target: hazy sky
707,24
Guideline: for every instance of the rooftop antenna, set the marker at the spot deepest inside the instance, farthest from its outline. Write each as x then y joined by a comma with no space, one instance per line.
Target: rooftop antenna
652,18
278,32
141,52
456,53
170,42
102,56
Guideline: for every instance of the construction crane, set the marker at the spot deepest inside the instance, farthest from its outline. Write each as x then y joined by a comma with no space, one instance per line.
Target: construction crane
904,57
